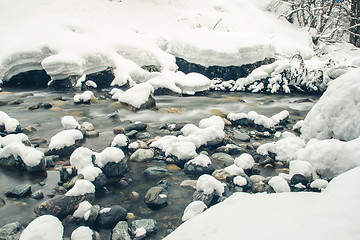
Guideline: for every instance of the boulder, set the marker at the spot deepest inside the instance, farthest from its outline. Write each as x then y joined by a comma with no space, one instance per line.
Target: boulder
223,157
142,155
37,195
112,169
61,206
201,196
191,168
136,126
110,217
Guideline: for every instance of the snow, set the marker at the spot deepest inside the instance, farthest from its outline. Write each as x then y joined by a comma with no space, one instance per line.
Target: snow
192,83
9,123
29,155
82,233
88,37
209,185
120,140
212,121
331,157
11,138
65,138
280,116
83,97
69,122
336,113
301,167
104,210
81,187
201,160
159,81
244,161
109,154
319,184
240,181
82,209
193,209
332,214
234,170
135,96
43,228
81,159
182,150
279,184
236,116
140,232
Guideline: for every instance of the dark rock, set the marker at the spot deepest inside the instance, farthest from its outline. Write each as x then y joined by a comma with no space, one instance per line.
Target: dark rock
149,104
156,197
37,195
64,84
33,79
11,231
19,191
112,169
298,178
40,167
166,91
51,160
60,190
201,196
143,136
226,73
131,134
150,226
109,219
103,78
46,105
67,174
94,213
191,168
121,231
10,162
136,126
61,206
33,107
66,151
100,180
72,181
156,171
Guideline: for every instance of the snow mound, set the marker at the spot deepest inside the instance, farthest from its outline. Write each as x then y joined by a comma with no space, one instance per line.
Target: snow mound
11,138
109,154
65,138
10,124
201,160
69,122
136,96
82,209
81,187
209,185
335,209
244,161
336,113
43,228
82,233
30,156
82,160
279,184
120,140
84,97
182,150
193,209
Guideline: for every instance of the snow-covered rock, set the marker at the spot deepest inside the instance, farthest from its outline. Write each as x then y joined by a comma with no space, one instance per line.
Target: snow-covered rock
64,142
209,185
8,123
69,122
244,161
84,97
81,187
138,97
82,209
120,140
11,138
279,184
193,209
43,228
82,233
336,113
82,160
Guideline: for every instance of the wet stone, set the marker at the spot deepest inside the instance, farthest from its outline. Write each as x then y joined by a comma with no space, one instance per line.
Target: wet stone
19,191
150,226
201,196
120,231
131,134
223,157
191,168
109,219
142,155
258,187
94,213
156,197
15,102
298,178
11,231
241,136
38,195
156,171
136,126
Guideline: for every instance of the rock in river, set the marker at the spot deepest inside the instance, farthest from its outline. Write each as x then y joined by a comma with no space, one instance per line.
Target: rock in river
108,217
19,191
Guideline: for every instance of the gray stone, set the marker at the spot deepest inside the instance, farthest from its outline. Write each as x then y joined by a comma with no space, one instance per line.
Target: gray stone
94,213
61,206
71,183
201,196
100,180
191,168
91,133
136,126
121,231
150,226
86,126
51,160
9,162
142,155
241,136
156,171
19,191
223,157
257,178
110,218
131,134
38,195
11,231
156,197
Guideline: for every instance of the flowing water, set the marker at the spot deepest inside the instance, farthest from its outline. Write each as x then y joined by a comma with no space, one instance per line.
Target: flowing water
171,109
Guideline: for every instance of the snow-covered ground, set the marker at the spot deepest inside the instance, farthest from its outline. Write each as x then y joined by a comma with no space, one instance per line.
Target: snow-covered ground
332,214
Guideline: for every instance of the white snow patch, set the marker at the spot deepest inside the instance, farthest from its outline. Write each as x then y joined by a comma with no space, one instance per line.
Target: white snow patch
209,185
109,154
120,140
82,209
319,184
65,138
240,181
69,122
82,233
193,209
29,155
244,161
279,184
12,138
81,187
135,96
234,170
182,150
81,159
9,123
83,97
301,167
201,160
44,227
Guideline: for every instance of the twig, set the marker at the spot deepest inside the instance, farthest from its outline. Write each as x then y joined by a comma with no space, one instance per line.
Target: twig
216,24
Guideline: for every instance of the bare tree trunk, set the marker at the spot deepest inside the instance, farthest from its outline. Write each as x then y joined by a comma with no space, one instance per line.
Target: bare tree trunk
355,20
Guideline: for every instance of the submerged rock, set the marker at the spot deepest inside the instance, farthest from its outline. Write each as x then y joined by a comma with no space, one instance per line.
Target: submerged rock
108,217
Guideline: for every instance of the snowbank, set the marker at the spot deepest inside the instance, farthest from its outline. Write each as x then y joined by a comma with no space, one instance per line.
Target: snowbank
337,113
81,37
332,214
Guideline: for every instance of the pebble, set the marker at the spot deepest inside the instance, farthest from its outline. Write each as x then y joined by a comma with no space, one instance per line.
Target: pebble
38,195
156,171
223,157
257,178
120,231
